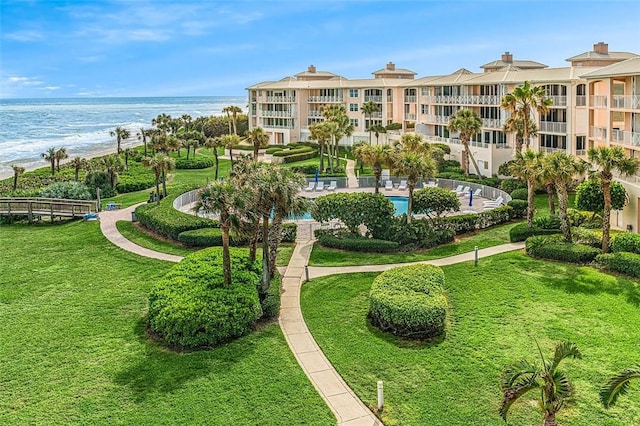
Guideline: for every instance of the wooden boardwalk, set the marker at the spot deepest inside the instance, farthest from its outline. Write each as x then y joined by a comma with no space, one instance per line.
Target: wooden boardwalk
52,207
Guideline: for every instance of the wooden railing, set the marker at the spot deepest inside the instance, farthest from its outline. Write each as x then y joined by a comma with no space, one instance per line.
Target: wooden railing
53,207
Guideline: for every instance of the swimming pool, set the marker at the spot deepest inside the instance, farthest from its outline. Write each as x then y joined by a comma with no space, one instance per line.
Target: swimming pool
401,204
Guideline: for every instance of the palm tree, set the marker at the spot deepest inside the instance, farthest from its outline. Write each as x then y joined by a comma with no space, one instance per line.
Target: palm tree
214,144
162,122
50,156
128,152
468,124
377,157
413,142
522,102
618,385
608,160
414,166
78,164
342,127
121,134
232,112
528,167
321,133
159,163
60,155
561,169
377,129
554,385
258,138
229,141
112,165
17,171
368,108
515,123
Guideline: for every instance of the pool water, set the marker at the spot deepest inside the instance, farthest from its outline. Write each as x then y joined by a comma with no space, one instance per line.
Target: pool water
401,204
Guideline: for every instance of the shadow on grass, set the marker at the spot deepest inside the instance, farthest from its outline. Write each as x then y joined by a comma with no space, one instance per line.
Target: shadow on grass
403,343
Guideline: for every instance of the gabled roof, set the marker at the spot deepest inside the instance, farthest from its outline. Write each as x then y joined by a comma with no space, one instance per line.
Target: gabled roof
596,56
316,74
394,71
520,64
627,67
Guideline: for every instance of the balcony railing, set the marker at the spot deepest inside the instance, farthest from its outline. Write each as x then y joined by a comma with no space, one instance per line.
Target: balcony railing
277,126
581,152
553,127
314,113
409,116
289,99
440,119
464,100
267,113
456,141
626,101
598,133
550,150
376,114
410,99
558,100
625,137
389,98
325,99
581,100
371,98
598,101
494,123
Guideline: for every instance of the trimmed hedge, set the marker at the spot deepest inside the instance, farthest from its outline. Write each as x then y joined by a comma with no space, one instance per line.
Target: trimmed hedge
212,237
552,248
419,234
626,241
299,157
355,243
519,208
194,163
464,223
409,301
135,179
509,185
520,194
273,149
191,308
590,237
242,147
521,232
295,151
623,262
169,222
270,301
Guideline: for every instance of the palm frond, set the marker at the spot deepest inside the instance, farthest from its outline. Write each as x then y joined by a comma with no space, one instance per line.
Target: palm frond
517,374
562,385
512,394
618,385
564,350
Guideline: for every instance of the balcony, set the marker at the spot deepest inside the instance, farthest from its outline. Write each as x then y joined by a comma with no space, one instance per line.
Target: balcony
581,152
464,100
314,113
626,101
267,113
581,100
410,99
625,138
550,150
558,101
277,126
375,115
409,116
598,101
440,119
598,133
494,123
325,99
553,127
288,99
371,98
456,141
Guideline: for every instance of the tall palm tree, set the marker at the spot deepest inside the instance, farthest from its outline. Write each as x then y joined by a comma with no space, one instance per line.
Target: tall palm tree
562,169
321,133
121,134
112,165
414,166
214,144
142,136
162,122
515,124
413,142
377,129
232,112
337,114
468,124
368,108
554,386
608,160
258,138
377,157
229,141
618,385
17,171
61,154
522,102
50,156
528,167
160,164
78,164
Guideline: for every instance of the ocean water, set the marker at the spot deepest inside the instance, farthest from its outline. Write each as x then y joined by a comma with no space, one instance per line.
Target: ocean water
28,127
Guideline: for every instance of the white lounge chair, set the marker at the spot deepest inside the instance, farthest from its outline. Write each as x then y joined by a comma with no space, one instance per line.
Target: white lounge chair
464,191
311,187
388,185
495,203
458,189
320,186
477,192
332,186
429,184
403,185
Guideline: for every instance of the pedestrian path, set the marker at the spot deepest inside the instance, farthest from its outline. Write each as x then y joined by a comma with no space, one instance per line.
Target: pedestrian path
350,169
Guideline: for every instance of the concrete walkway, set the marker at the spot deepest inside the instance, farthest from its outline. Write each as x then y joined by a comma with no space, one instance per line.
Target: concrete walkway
350,170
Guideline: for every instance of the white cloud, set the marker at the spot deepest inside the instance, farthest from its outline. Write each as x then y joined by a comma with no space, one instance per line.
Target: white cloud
24,81
25,36
51,88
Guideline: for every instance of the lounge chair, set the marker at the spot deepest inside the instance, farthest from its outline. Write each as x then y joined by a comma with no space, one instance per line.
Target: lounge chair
494,203
320,186
477,192
332,186
464,191
429,184
311,187
458,189
388,185
403,185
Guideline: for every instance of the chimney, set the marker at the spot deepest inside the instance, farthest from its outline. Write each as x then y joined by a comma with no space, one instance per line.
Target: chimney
312,69
507,57
391,66
601,47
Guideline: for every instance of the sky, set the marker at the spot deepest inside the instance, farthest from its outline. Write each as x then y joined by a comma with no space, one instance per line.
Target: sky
206,48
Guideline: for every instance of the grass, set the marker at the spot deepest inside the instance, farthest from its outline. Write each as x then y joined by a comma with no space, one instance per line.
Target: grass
494,309
322,256
74,349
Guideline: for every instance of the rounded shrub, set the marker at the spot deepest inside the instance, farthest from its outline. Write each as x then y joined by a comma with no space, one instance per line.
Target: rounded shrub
521,232
68,190
190,307
520,194
623,262
519,208
357,243
509,185
409,301
626,241
205,237
554,248
194,163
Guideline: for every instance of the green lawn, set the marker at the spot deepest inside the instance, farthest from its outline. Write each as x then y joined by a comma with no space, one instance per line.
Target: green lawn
494,309
322,256
74,350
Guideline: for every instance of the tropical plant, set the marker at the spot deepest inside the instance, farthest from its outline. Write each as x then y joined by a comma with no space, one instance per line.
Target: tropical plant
162,122
258,138
589,196
468,124
112,165
608,160
321,132
413,142
414,166
618,385
78,164
521,103
337,114
377,129
528,167
554,385
232,112
17,171
121,134
377,157
229,141
142,136
368,108
160,164
214,143
61,154
50,156
515,124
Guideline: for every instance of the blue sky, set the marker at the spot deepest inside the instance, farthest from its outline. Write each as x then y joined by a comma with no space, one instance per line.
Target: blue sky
171,48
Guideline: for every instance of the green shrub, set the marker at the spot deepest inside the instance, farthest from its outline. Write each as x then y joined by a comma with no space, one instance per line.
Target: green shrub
270,301
419,234
435,201
510,185
589,237
554,248
626,241
520,194
409,301
298,157
137,179
295,151
519,208
357,243
550,221
273,149
623,262
169,222
584,218
306,169
464,223
194,163
191,308
212,237
521,232
68,190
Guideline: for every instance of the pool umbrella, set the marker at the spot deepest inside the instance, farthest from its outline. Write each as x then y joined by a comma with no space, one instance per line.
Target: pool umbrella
317,175
470,197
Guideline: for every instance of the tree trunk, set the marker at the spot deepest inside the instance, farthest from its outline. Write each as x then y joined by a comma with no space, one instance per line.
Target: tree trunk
274,237
563,200
226,256
378,174
550,419
15,181
606,214
164,184
53,167
465,159
410,204
217,160
473,160
265,252
188,151
157,187
531,208
144,142
330,149
253,249
231,156
118,140
550,195
518,143
321,158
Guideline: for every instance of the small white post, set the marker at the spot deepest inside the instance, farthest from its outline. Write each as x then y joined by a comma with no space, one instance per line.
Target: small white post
380,395
476,256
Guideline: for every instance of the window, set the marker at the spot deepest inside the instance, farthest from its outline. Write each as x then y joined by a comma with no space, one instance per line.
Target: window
354,122
353,107
353,93
581,142
424,109
424,91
